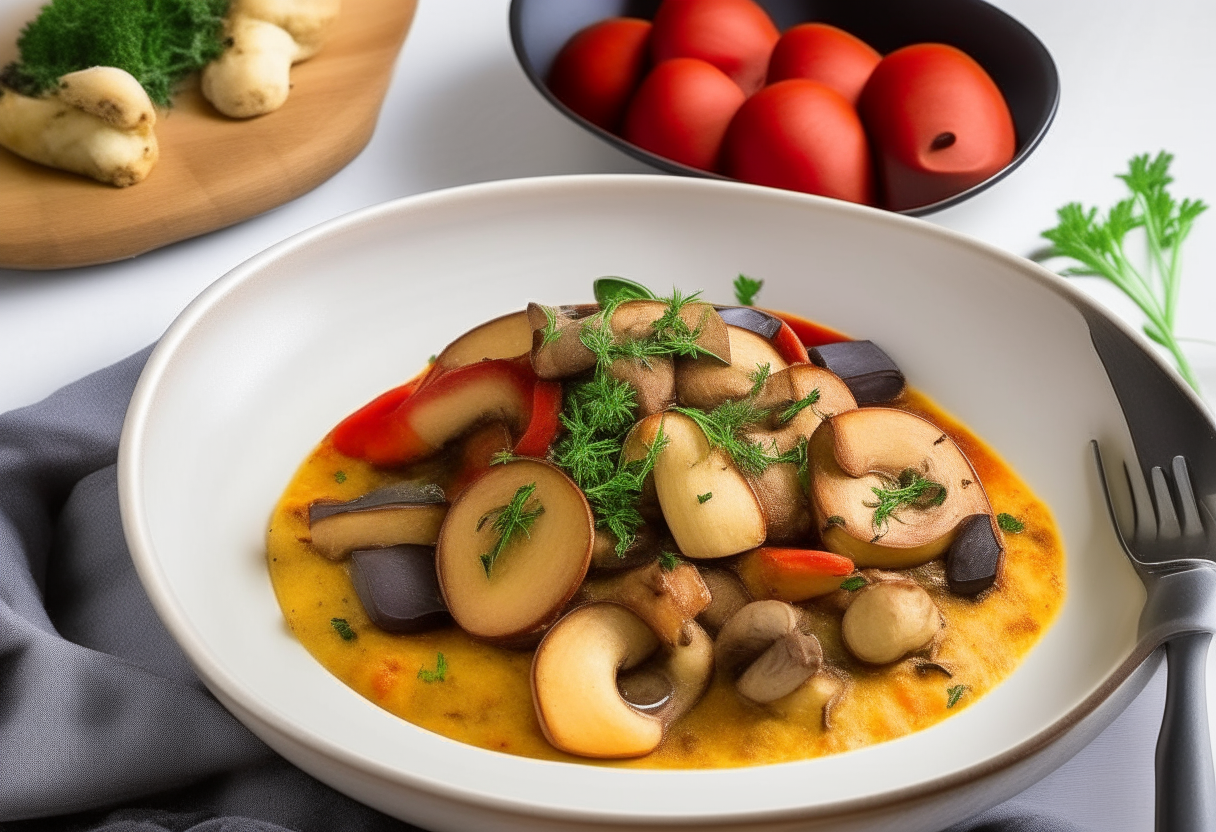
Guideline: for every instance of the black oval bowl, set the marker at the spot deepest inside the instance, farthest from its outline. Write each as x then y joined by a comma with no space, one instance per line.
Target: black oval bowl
1018,62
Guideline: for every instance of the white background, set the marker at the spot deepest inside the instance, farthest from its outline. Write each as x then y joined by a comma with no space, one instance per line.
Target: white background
1136,77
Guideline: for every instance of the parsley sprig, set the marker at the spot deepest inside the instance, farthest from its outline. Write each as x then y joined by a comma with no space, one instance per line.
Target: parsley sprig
746,289
1098,245
510,521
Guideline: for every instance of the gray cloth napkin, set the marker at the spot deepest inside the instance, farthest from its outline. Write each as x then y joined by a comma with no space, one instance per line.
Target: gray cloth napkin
103,724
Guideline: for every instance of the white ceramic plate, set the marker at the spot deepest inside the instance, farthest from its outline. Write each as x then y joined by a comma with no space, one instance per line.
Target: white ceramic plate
269,358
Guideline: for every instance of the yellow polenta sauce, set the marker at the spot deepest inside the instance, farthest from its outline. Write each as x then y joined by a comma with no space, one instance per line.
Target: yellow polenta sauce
485,698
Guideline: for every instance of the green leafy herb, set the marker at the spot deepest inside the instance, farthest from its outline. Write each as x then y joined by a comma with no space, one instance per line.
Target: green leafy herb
758,377
550,333
809,400
911,489
159,42
853,583
1098,245
746,290
617,289
339,477
342,628
615,500
705,498
723,427
510,521
502,457
668,561
438,674
1009,523
955,693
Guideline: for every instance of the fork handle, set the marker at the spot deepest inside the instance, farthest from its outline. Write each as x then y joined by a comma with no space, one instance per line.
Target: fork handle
1186,781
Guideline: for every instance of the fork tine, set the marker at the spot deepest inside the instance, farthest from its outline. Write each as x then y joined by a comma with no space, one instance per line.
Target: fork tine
1191,525
1146,521
1168,527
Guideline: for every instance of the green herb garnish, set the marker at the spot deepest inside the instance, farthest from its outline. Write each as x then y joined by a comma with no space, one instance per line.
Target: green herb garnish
159,42
668,561
853,583
438,674
955,693
1098,245
1009,523
746,290
617,289
339,477
550,333
758,377
723,427
809,400
510,521
342,628
910,489
705,498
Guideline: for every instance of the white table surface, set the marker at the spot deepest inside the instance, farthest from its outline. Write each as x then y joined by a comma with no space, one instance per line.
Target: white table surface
1136,77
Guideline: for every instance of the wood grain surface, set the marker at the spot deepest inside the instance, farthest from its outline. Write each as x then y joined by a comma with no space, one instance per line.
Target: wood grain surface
213,171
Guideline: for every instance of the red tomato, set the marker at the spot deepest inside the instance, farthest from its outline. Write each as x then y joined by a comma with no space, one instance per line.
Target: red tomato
803,136
823,53
600,67
681,111
736,36
938,122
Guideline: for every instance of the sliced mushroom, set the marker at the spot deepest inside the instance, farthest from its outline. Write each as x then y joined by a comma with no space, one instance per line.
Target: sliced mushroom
666,599
635,320
818,697
784,390
706,383
653,381
791,575
726,597
398,588
871,448
574,682
646,546
407,512
728,521
506,337
787,514
764,646
867,370
535,575
564,354
889,620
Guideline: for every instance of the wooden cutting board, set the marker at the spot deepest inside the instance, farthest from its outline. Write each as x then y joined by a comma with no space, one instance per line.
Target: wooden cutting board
213,171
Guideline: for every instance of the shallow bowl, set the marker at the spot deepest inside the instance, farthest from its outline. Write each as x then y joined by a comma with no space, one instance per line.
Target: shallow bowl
269,358
1018,61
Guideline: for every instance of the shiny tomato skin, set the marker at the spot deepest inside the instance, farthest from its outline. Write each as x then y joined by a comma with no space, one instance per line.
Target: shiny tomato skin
938,122
681,112
803,136
736,36
598,69
824,53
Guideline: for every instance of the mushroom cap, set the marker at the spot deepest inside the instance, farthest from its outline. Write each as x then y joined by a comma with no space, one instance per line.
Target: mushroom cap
706,383
889,620
507,336
765,645
791,385
857,451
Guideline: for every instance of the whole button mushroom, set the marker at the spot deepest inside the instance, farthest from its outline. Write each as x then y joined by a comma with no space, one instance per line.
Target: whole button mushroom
889,620
764,645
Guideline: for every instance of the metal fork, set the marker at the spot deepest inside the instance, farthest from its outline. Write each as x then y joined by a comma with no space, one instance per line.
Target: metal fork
1173,540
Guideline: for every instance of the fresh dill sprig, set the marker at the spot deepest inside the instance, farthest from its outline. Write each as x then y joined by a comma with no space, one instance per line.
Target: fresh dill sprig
439,674
510,521
615,500
759,376
550,332
746,289
502,457
159,42
809,400
668,561
723,426
910,489
1098,245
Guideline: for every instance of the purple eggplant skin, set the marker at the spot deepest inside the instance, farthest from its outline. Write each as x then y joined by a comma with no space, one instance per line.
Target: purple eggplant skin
871,375
399,589
401,493
751,319
973,560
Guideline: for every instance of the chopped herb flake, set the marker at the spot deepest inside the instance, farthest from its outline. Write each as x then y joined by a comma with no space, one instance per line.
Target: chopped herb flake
911,489
342,628
853,583
1009,523
668,561
746,290
704,498
438,674
955,693
339,477
809,400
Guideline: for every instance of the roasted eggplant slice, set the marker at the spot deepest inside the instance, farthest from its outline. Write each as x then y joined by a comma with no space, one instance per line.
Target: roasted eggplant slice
398,588
868,371
407,512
